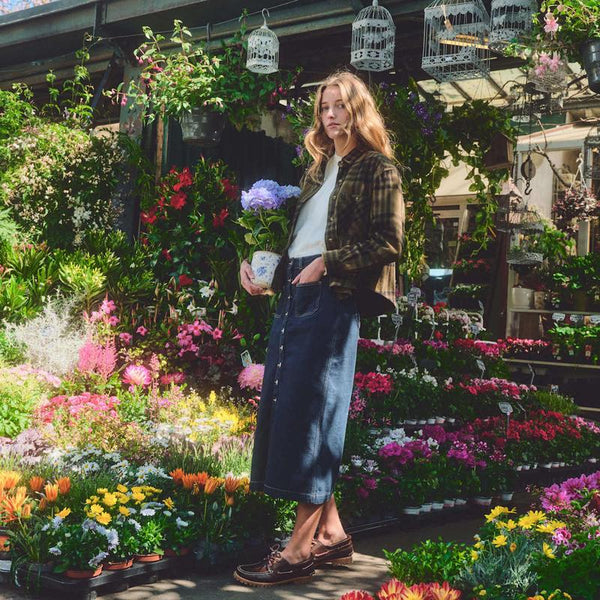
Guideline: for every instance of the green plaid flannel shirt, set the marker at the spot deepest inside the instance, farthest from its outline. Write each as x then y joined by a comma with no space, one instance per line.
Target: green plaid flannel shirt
364,233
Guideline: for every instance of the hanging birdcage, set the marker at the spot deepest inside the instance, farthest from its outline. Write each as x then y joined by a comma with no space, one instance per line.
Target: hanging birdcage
526,225
373,39
263,49
510,19
548,73
591,155
455,40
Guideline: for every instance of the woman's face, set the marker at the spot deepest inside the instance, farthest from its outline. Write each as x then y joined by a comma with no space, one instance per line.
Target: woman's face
334,114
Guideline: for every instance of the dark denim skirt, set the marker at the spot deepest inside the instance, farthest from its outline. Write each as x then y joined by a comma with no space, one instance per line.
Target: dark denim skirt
309,374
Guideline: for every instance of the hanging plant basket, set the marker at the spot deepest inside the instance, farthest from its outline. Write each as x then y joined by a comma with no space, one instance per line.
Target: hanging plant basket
590,53
202,127
520,257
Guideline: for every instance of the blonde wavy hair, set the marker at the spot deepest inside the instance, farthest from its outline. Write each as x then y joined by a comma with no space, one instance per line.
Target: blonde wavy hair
365,122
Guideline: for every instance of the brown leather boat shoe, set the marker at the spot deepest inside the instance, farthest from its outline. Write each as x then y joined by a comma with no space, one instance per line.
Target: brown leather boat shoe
274,570
336,554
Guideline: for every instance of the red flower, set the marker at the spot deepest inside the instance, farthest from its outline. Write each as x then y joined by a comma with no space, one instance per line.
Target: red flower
185,179
219,220
185,280
357,595
149,217
231,191
166,254
178,200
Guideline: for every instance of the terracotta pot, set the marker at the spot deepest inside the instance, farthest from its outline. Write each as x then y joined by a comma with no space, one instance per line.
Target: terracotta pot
83,573
118,565
147,558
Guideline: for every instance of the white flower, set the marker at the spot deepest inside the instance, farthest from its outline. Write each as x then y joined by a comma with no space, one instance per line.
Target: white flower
147,512
356,461
181,523
344,469
55,550
207,291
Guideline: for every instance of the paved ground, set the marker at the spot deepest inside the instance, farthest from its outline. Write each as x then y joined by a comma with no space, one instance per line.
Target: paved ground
368,571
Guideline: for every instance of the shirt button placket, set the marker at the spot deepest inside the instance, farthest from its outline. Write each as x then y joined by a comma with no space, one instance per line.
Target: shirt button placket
281,345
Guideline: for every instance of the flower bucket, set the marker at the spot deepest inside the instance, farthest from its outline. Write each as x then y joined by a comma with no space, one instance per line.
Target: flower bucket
83,573
411,510
590,53
449,502
438,505
482,500
506,496
263,265
202,127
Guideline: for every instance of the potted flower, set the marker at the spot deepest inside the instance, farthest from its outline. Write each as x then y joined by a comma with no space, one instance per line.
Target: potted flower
198,88
180,531
266,220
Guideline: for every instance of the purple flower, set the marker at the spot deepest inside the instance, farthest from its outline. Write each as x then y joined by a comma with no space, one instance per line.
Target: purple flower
259,198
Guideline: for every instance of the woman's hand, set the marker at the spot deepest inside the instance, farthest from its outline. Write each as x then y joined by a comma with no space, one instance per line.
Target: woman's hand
247,277
312,272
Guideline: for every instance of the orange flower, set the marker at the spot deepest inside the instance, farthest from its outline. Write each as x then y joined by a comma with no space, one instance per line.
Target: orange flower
43,504
391,590
357,595
9,479
229,499
36,483
188,480
232,484
177,475
11,507
202,478
443,592
51,492
26,511
212,484
64,485
415,592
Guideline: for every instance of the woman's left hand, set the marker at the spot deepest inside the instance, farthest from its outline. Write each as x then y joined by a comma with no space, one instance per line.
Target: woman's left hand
312,272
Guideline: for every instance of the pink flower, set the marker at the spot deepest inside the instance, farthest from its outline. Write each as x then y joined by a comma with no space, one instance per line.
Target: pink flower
141,330
124,100
172,378
217,334
125,338
551,25
251,377
113,321
137,375
555,62
107,306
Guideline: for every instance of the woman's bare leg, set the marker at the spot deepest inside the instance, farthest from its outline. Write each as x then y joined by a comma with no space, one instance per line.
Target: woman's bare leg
331,530
307,519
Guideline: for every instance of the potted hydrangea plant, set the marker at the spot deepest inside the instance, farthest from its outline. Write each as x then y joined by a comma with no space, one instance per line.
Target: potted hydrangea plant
265,218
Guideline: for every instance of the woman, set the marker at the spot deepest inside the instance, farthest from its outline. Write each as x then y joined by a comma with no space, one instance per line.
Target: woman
339,263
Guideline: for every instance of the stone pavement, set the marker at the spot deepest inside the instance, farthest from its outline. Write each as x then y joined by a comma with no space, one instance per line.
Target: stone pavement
368,571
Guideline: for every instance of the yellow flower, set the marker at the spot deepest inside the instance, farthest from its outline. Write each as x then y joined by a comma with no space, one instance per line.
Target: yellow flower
212,397
547,550
64,513
482,593
109,499
551,526
526,522
474,555
96,509
479,545
513,547
121,488
92,500
102,491
536,515
124,511
510,525
122,498
138,497
104,518
497,511
499,540
168,502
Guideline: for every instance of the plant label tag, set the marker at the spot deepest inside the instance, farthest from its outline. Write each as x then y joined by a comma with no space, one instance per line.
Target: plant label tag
397,319
595,319
575,319
480,366
474,327
412,299
558,317
554,388
416,291
505,407
246,358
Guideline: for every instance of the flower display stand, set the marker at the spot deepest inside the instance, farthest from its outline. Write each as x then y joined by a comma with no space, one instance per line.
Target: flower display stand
113,581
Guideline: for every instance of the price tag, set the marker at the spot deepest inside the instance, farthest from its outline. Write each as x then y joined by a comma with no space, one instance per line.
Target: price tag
397,319
595,319
480,366
246,358
575,319
558,317
411,299
416,291
505,408
554,388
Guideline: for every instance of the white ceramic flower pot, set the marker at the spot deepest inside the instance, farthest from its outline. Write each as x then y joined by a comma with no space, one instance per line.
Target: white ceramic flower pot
437,505
411,510
521,297
506,496
483,500
449,502
263,265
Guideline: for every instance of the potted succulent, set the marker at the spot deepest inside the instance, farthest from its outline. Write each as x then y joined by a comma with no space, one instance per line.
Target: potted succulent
266,220
197,88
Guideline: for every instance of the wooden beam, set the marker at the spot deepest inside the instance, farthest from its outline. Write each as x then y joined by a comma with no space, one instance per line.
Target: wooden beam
460,90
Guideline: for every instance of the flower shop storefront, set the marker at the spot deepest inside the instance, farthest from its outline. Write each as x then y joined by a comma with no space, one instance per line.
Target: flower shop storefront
131,366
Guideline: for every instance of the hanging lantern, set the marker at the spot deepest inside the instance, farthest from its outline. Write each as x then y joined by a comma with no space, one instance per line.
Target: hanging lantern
455,40
263,49
373,39
510,20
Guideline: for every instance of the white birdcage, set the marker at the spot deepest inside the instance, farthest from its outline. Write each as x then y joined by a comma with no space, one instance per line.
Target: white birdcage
455,40
373,39
510,19
263,49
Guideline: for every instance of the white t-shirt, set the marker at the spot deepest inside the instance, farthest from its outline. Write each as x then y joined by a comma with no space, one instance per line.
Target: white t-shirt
309,234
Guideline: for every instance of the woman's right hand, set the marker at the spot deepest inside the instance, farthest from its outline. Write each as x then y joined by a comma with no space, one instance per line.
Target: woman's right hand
247,277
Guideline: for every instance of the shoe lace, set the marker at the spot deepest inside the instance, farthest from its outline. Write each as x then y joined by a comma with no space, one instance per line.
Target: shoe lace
273,556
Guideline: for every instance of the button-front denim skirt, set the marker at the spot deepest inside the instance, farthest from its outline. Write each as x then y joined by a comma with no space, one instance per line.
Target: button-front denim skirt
309,373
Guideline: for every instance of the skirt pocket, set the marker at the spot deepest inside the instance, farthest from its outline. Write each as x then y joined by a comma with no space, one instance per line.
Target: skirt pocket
307,299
